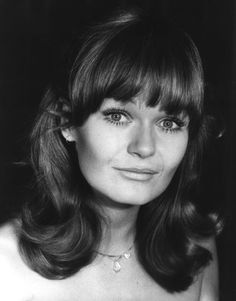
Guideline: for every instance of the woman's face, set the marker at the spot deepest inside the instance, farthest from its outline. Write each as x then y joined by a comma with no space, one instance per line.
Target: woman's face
130,152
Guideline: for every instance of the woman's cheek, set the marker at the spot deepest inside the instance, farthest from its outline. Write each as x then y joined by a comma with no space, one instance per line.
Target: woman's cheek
174,154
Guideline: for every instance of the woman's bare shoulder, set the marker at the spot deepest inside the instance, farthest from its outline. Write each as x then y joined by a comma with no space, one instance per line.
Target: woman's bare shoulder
8,241
12,267
210,275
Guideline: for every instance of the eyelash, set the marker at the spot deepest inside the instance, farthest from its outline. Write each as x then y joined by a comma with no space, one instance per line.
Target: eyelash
109,112
179,124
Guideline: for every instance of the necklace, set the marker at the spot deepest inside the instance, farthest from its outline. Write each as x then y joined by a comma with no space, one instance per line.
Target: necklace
117,258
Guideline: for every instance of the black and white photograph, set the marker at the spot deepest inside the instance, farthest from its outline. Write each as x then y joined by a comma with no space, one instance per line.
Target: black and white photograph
118,143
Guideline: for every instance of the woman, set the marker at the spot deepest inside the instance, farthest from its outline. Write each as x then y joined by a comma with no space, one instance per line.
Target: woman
117,160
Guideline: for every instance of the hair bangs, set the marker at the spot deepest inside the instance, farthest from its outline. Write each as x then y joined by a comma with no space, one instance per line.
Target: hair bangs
174,79
170,79
118,72
163,64
120,75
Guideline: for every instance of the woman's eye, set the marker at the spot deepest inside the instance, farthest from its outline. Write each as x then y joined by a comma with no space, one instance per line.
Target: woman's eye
171,124
117,117
168,124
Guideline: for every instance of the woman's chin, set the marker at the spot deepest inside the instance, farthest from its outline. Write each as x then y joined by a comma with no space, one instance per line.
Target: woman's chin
124,199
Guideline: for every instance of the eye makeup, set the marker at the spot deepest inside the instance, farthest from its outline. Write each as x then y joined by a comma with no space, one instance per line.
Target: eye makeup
117,116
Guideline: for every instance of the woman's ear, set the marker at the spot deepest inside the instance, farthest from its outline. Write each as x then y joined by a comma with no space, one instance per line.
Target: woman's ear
68,134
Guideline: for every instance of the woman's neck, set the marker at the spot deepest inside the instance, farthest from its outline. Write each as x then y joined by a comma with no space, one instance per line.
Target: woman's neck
118,227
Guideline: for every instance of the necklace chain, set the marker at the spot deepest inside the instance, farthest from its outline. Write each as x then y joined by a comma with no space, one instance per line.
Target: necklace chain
117,258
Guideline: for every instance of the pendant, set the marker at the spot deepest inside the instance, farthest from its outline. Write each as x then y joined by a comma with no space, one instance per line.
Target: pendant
127,255
116,266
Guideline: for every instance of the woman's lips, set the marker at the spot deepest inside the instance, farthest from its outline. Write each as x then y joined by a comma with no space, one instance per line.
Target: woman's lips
137,174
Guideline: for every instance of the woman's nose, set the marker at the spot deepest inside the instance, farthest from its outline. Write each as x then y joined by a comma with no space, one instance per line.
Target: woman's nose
142,142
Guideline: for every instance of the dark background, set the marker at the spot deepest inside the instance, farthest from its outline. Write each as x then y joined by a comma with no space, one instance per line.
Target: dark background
34,36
